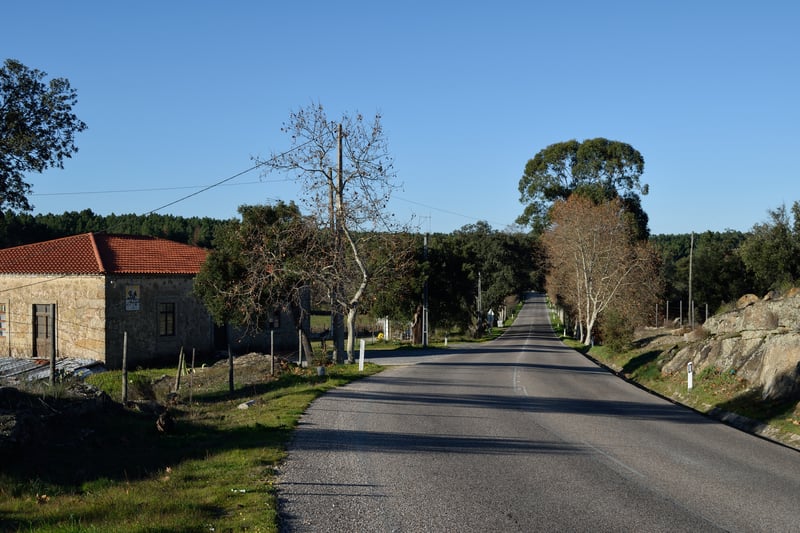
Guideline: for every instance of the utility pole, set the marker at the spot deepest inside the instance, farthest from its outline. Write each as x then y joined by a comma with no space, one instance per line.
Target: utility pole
425,297
332,219
338,216
691,302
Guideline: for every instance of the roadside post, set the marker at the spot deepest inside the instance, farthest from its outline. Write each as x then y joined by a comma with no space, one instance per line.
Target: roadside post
361,356
690,373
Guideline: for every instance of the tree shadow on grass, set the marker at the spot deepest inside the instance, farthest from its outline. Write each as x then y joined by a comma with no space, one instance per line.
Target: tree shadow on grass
750,404
123,447
640,361
63,452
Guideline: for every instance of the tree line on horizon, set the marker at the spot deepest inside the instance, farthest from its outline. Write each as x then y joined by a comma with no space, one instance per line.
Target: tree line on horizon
725,265
24,228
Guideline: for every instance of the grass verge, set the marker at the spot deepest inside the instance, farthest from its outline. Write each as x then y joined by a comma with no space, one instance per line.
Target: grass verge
713,391
212,470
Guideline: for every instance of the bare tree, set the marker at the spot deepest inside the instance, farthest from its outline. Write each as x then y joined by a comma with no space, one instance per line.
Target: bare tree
347,177
595,261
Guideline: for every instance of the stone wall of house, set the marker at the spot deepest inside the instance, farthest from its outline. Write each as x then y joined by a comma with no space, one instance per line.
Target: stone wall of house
79,314
133,307
93,314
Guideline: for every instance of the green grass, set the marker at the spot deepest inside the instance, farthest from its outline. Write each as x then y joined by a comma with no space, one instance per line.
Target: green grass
213,472
712,388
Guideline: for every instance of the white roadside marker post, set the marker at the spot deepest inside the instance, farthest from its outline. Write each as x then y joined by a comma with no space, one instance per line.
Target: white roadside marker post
690,373
361,356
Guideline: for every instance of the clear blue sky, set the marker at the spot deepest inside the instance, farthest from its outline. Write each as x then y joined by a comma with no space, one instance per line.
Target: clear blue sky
180,94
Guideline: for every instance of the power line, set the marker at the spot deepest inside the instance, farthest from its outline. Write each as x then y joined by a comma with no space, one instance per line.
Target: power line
181,199
469,217
204,189
159,189
217,184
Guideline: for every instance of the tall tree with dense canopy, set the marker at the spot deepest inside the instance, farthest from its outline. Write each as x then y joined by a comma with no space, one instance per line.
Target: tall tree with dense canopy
37,128
611,169
259,265
596,262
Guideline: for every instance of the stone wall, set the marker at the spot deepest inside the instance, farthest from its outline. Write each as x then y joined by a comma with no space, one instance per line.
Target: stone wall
93,314
79,314
133,307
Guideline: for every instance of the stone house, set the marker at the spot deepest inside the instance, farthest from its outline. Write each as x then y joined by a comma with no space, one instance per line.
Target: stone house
79,296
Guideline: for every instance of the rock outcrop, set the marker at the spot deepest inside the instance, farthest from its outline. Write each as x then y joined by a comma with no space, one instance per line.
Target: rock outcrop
759,341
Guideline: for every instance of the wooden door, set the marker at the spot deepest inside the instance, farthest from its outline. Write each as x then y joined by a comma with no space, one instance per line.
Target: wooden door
43,330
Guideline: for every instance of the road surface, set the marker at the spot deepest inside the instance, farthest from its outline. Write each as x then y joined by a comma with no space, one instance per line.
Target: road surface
524,434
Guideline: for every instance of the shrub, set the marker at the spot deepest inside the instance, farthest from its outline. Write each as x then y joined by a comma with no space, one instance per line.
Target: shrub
616,331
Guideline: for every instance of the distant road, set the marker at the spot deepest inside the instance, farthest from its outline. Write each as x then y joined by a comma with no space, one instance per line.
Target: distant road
524,434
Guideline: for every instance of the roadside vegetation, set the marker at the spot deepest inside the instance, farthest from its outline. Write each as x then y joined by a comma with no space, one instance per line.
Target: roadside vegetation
211,467
714,392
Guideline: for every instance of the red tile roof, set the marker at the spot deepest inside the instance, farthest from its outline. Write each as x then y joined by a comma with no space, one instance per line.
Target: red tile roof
101,253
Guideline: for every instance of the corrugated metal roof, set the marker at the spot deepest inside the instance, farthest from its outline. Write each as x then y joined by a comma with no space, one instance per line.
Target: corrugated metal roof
13,369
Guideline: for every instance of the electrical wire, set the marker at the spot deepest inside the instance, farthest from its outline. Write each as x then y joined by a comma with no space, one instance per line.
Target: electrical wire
181,199
469,217
157,189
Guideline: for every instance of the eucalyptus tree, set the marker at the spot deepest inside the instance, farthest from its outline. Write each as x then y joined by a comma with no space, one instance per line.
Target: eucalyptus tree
599,167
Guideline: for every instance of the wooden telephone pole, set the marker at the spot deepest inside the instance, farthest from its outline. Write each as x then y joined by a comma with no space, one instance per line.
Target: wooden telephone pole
691,302
337,214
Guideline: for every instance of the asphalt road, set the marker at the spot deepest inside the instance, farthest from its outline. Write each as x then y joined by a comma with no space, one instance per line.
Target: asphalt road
524,434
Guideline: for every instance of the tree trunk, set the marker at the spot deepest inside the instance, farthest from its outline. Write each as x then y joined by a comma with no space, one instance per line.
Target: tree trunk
352,313
299,317
587,334
352,309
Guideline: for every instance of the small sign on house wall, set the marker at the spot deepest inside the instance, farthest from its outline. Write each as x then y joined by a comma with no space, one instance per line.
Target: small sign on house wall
132,297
